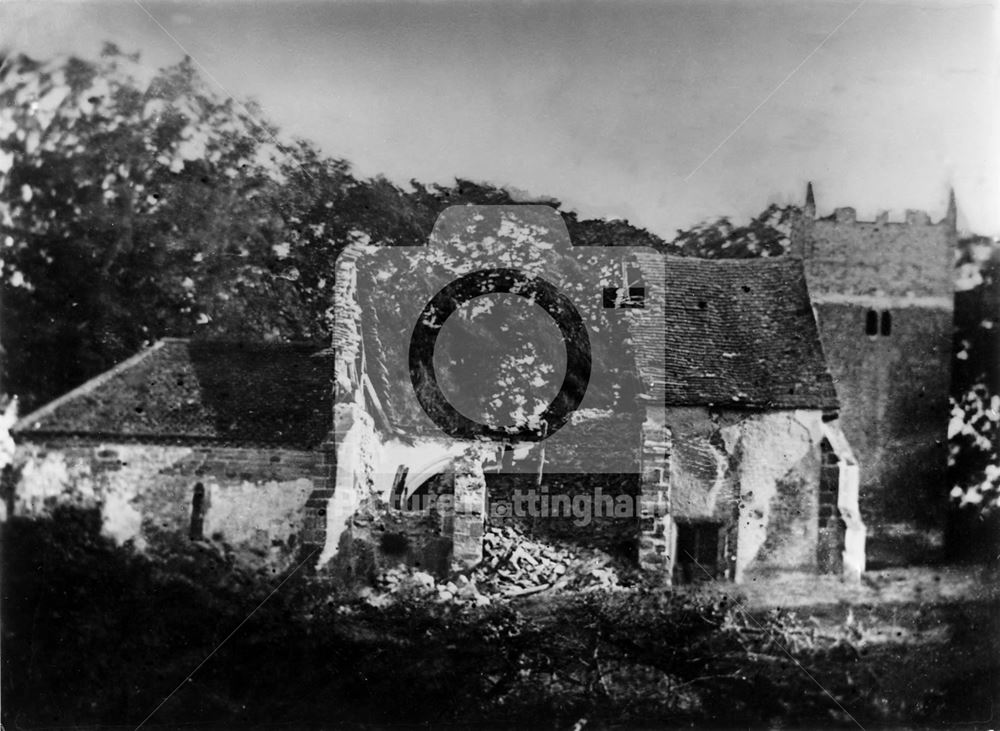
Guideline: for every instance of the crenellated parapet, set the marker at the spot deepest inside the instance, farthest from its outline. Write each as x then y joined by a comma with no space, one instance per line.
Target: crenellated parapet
845,256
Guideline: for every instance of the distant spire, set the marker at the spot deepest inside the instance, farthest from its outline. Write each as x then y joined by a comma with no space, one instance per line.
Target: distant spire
810,207
951,217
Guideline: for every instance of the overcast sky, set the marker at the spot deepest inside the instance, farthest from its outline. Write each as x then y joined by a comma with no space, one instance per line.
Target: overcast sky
663,113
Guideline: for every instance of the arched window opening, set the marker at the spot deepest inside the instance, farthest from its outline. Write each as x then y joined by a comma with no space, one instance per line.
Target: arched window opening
887,323
871,323
198,513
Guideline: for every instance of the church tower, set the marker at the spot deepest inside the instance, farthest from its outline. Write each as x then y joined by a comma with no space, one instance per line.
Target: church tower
883,296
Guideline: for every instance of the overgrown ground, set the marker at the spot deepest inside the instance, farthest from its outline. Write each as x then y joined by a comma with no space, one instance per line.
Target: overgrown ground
95,635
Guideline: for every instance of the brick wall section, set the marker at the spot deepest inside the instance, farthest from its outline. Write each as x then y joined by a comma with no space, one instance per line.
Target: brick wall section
656,538
346,339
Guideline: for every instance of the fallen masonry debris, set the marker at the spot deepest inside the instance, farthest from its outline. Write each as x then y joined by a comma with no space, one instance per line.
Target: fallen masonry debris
514,565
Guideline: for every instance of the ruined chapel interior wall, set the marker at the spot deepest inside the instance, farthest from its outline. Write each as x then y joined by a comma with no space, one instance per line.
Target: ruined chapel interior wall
253,498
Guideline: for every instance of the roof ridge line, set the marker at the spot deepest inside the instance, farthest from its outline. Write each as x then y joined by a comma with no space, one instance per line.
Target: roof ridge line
86,387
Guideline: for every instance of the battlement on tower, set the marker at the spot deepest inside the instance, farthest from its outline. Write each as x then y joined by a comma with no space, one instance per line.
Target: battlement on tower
846,257
913,217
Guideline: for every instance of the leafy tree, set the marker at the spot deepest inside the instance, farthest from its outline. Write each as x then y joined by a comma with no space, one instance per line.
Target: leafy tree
766,235
130,209
974,429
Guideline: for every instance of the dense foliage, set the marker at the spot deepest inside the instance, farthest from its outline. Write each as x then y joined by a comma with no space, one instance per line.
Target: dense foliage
98,634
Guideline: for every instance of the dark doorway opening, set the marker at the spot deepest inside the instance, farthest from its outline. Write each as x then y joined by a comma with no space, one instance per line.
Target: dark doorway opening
697,552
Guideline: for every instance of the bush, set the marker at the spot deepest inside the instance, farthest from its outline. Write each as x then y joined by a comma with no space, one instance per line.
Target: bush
99,634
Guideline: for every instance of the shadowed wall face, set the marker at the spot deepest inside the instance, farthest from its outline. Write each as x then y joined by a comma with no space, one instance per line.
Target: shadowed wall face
882,293
894,396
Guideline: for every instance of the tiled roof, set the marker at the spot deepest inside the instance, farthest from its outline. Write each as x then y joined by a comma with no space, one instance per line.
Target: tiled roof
191,391
739,332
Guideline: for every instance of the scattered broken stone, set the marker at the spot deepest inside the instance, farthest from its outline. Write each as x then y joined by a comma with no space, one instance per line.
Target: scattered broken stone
513,565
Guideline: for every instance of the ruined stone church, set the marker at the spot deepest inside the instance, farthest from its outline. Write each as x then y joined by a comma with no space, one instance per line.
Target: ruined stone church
794,424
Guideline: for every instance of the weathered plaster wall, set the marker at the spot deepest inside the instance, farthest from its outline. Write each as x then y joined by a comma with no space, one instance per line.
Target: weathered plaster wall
254,499
757,476
778,476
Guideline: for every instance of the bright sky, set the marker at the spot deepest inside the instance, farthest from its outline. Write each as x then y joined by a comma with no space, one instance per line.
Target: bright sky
664,113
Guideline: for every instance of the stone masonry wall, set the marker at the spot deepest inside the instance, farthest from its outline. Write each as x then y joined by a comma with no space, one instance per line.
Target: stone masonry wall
846,256
253,499
656,535
894,397
894,386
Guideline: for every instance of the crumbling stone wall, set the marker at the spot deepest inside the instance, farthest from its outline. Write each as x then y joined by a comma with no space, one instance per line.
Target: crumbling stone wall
619,439
377,537
469,518
355,454
253,499
355,442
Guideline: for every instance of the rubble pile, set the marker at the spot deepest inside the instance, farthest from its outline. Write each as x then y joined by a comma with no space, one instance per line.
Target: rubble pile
513,565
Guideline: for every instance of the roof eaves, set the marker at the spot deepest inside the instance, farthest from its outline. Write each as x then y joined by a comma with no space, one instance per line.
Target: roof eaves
161,439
